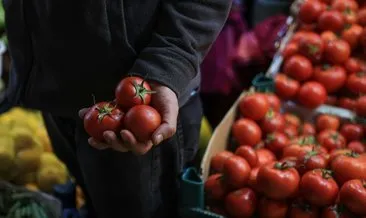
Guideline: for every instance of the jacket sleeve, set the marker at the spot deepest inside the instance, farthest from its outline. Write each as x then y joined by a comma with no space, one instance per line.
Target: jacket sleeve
184,33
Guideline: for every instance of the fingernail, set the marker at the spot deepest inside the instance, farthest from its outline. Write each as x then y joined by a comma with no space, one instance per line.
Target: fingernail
158,139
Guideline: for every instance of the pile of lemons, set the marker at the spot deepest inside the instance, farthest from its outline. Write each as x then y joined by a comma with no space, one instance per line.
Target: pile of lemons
26,156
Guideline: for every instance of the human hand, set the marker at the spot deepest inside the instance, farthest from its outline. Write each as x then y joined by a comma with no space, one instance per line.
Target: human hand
166,103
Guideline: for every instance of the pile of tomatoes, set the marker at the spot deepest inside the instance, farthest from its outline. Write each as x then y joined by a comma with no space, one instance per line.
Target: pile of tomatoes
130,110
324,61
287,167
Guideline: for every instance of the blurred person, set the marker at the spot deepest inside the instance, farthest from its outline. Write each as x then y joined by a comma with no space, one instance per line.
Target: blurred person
63,52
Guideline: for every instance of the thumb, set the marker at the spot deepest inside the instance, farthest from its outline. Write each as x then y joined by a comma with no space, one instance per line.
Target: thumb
168,127
83,112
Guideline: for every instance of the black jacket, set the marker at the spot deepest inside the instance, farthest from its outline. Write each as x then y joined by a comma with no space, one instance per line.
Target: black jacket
65,51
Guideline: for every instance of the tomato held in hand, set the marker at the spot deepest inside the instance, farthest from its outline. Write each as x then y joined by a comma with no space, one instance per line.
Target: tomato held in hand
331,77
276,141
265,156
352,35
215,188
241,203
331,20
357,147
142,121
298,67
326,121
357,83
361,106
103,117
278,181
133,91
310,11
286,87
312,47
311,160
272,209
331,139
254,106
218,160
337,51
352,132
312,95
249,154
336,211
274,102
349,166
273,122
319,188
246,132
353,195
236,172
301,209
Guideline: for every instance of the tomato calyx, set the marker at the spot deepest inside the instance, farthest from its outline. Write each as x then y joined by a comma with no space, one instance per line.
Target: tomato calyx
326,66
284,165
347,26
309,140
360,74
334,136
339,209
310,154
141,91
363,183
313,49
106,110
327,174
352,154
270,138
270,114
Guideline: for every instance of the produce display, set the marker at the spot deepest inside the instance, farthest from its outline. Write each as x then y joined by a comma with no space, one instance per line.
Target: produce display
280,164
324,61
129,110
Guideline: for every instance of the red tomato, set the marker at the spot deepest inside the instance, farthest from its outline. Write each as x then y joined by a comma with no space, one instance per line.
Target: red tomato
278,180
331,20
103,117
265,156
290,131
356,146
296,150
246,132
310,11
292,119
298,36
312,47
352,132
307,27
252,182
272,209
215,188
361,17
331,77
337,51
361,106
274,101
286,87
350,17
133,91
331,139
241,203
311,160
349,166
290,50
298,67
343,5
307,129
142,121
327,121
357,83
336,211
218,160
353,65
301,209
273,122
328,36
276,141
347,103
254,106
319,188
249,154
352,35
236,171
336,152
312,94
353,195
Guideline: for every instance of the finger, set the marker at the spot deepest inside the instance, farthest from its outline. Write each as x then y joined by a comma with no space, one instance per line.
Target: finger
164,132
114,142
82,112
97,145
169,123
135,146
